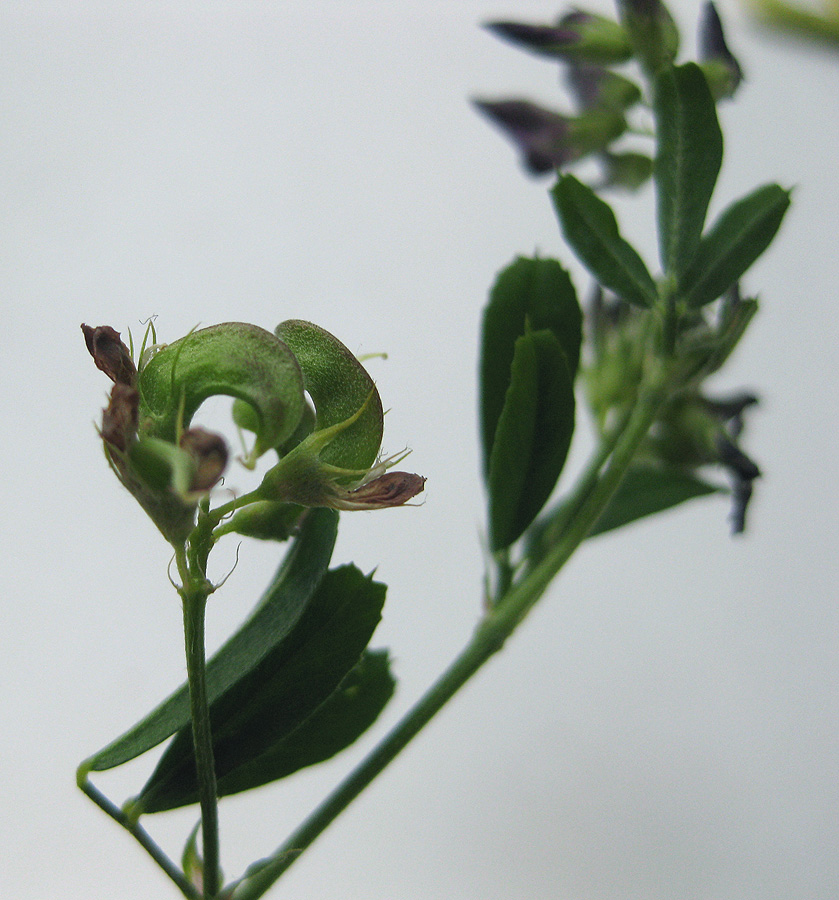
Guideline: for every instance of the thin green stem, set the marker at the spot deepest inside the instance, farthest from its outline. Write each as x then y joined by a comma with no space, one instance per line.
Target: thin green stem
489,637
549,529
194,593
800,20
143,838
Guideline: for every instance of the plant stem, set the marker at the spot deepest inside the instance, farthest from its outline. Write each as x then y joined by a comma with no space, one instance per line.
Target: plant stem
194,593
548,530
799,19
489,637
143,838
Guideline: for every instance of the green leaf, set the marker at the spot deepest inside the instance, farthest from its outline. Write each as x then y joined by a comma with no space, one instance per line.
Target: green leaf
687,163
338,722
277,696
648,489
590,227
533,435
273,619
735,241
530,292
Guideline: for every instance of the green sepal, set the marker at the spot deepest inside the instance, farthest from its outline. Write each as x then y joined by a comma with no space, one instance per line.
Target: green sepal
337,723
339,387
652,32
279,695
535,293
532,438
232,359
265,520
158,475
162,466
590,227
687,162
273,619
648,489
738,237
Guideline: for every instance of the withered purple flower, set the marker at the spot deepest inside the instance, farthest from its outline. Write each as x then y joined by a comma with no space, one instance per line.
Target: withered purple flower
209,453
110,354
541,135
578,35
548,140
119,418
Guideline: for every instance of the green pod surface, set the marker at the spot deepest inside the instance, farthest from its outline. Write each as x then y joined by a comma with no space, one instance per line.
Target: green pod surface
339,387
234,359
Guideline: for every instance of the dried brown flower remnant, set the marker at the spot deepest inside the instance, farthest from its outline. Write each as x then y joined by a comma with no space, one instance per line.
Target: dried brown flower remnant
210,454
110,354
390,489
119,419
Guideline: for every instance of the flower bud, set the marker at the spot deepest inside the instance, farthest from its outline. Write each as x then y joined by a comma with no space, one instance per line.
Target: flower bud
721,68
597,88
652,32
578,36
549,141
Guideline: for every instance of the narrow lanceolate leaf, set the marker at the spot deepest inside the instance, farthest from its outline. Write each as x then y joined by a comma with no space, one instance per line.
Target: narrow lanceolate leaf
590,227
687,163
275,617
534,293
279,695
338,722
734,242
648,489
532,438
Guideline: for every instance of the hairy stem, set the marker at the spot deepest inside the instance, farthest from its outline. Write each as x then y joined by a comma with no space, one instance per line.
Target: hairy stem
194,593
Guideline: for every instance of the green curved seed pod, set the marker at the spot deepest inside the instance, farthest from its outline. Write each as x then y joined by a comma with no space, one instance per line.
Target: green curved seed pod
233,359
339,387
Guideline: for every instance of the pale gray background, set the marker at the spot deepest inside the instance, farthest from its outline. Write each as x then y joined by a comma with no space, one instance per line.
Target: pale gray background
665,725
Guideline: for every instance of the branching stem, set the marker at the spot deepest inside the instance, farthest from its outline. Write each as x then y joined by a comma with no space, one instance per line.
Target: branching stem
143,838
498,624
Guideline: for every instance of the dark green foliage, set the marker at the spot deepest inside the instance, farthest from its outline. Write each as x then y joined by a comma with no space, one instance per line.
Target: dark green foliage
735,241
274,618
590,227
265,706
687,163
532,438
533,292
342,718
648,489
